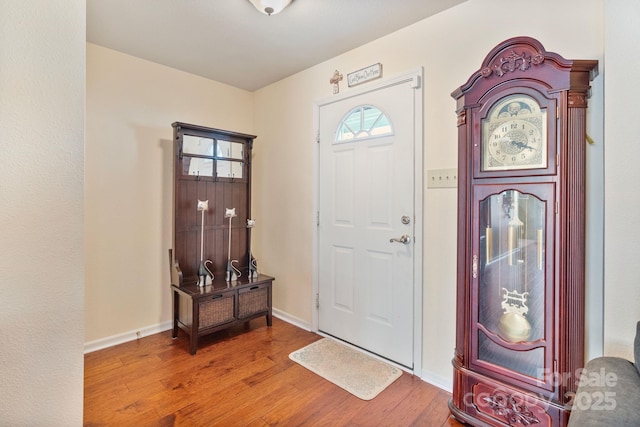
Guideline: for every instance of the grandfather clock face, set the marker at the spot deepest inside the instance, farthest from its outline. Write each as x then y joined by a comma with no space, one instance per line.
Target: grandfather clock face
514,135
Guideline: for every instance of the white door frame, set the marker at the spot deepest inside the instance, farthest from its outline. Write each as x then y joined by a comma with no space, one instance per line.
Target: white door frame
413,77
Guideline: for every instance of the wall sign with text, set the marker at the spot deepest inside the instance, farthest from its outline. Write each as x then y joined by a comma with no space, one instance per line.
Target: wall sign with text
371,72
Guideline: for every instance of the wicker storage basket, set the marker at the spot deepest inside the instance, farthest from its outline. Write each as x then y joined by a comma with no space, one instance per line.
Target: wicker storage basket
216,311
253,301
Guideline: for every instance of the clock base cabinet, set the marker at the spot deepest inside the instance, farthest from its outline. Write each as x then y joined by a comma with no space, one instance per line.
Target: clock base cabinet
488,402
201,311
521,236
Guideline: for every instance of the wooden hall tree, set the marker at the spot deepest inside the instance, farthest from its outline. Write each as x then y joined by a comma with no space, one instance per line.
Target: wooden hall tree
213,280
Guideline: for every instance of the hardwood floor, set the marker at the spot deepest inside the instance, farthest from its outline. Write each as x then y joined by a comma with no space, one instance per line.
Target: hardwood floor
240,377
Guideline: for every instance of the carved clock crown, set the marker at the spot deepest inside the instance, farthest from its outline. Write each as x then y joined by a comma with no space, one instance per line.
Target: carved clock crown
514,54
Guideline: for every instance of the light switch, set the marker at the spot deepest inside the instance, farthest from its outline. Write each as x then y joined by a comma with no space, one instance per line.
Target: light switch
442,178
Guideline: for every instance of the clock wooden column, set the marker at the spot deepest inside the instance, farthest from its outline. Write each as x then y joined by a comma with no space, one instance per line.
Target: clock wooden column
521,236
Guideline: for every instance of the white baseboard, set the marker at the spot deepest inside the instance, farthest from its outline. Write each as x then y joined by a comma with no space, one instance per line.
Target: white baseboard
445,383
296,321
124,337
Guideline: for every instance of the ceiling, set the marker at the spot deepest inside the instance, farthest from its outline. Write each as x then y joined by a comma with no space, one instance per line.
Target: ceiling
231,42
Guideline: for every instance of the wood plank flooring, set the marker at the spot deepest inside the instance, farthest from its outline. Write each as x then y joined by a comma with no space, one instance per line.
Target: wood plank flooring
240,377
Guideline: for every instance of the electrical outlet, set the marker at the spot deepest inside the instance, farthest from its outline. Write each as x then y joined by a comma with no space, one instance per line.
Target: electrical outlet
442,178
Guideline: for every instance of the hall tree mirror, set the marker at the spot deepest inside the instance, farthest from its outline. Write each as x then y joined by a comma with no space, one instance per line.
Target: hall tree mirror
212,157
234,151
228,149
197,156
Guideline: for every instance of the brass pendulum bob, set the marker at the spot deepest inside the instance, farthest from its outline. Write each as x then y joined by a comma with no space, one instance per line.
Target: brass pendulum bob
514,327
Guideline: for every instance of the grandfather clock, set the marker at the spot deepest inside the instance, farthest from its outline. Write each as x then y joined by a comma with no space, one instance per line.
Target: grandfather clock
521,236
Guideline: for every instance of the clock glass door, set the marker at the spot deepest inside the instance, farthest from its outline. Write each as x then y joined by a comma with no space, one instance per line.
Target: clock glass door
511,273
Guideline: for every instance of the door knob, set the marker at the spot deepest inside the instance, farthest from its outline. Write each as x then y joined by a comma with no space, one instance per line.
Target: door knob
403,239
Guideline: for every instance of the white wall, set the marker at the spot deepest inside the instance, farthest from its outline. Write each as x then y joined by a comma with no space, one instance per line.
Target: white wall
450,46
622,200
131,104
42,82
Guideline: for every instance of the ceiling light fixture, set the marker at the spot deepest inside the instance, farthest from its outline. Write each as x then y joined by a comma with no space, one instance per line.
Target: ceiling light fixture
270,7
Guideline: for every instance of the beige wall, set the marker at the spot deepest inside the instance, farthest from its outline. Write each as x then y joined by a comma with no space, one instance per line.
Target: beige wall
131,104
42,64
622,201
450,46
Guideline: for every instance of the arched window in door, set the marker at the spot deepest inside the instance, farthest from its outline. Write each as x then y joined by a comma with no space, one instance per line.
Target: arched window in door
365,121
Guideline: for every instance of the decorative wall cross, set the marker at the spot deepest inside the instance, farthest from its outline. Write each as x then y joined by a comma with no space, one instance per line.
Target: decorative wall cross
335,81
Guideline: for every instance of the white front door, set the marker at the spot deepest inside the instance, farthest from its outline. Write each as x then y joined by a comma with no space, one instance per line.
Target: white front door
367,220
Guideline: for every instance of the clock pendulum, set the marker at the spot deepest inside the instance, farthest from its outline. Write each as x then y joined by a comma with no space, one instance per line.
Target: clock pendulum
540,239
488,233
513,325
